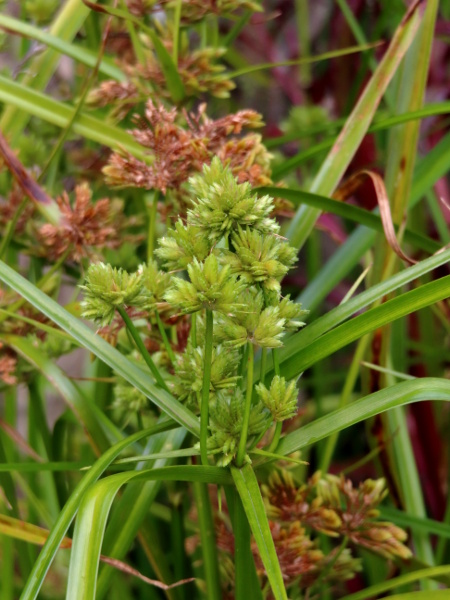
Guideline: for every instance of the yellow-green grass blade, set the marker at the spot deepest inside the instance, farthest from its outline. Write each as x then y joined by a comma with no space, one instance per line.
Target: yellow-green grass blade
406,392
299,354
250,494
355,128
78,53
132,508
65,517
94,510
65,26
60,114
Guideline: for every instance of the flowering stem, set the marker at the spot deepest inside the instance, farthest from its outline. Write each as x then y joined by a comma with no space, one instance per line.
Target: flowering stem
248,405
151,226
141,347
208,542
167,344
276,361
276,437
11,227
205,388
262,373
193,331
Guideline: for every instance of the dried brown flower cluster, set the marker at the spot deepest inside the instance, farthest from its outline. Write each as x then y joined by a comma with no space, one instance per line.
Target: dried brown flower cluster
123,95
301,560
326,504
200,71
83,227
8,363
178,152
331,505
192,10
9,207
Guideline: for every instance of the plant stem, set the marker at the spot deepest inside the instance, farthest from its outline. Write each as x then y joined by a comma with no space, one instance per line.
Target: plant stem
193,332
248,404
11,227
276,361
276,437
246,580
152,212
176,31
205,389
167,344
208,543
141,347
262,373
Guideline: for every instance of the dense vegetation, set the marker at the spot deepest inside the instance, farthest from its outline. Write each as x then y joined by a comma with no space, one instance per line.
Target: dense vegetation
224,315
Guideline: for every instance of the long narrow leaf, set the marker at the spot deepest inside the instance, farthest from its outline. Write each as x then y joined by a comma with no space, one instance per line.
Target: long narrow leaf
355,128
60,114
249,492
65,517
94,511
82,55
406,392
293,362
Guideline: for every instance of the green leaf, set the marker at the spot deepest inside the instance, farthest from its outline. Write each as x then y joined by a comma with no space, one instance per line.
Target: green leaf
403,519
303,61
347,211
82,55
94,511
406,392
65,26
248,489
65,517
60,114
380,588
295,358
354,129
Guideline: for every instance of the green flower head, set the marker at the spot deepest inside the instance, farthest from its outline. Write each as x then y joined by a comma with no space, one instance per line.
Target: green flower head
181,245
226,418
155,282
211,287
259,259
129,399
106,288
255,324
292,312
223,204
189,371
281,399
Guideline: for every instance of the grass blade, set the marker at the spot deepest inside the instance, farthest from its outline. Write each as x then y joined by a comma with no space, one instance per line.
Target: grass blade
406,392
95,508
355,127
248,489
295,361
65,517
60,114
82,55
